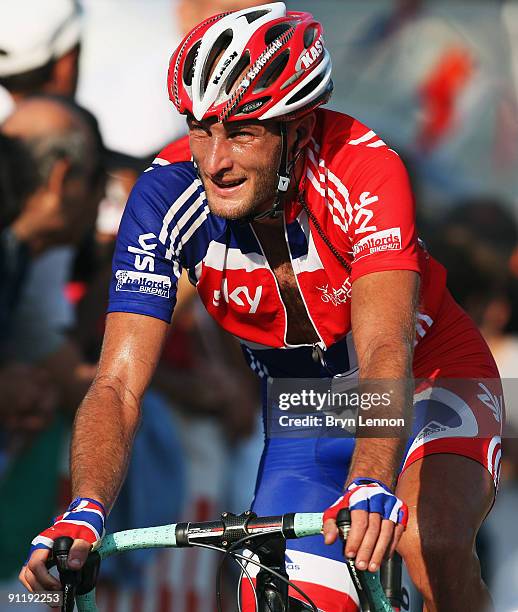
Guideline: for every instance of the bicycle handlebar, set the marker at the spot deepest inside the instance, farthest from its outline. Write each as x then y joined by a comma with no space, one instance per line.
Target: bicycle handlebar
225,533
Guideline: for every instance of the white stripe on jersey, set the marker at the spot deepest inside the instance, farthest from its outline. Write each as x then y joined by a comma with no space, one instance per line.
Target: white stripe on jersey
177,204
180,224
322,192
204,214
220,257
420,330
378,143
494,459
322,180
345,194
422,317
365,138
318,165
342,190
158,161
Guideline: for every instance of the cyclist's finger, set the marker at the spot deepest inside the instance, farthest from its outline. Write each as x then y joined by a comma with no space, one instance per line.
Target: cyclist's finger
382,546
330,531
369,541
398,532
359,525
22,578
34,586
78,554
37,574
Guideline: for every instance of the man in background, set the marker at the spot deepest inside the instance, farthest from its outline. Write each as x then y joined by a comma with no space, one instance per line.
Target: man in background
39,47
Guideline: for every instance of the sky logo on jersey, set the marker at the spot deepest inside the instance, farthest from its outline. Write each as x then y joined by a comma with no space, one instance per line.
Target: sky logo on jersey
143,282
384,240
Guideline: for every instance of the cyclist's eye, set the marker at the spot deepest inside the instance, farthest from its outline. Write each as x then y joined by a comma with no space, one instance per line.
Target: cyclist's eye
197,128
240,134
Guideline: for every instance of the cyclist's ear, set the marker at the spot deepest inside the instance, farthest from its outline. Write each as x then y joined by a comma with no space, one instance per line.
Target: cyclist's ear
303,131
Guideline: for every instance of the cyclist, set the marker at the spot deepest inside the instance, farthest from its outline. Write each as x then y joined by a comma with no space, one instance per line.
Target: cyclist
296,224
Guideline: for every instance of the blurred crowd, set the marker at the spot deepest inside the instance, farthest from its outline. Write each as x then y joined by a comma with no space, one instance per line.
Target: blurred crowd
83,111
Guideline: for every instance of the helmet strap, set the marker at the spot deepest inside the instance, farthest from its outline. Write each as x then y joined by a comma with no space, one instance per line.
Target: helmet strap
284,174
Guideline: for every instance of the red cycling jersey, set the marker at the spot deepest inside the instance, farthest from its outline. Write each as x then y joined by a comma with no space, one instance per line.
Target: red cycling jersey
358,189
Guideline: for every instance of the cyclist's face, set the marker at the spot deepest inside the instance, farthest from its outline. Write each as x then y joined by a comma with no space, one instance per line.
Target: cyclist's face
237,163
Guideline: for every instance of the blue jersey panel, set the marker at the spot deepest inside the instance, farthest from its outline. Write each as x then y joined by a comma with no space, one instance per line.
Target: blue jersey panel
166,205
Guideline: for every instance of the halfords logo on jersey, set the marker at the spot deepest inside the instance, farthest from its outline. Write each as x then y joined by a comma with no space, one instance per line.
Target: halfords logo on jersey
385,240
143,282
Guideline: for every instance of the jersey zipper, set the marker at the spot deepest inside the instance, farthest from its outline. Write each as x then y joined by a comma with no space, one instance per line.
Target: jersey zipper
276,284
317,353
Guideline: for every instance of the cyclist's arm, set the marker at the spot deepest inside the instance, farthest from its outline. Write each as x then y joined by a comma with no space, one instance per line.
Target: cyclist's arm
383,322
105,425
385,283
109,415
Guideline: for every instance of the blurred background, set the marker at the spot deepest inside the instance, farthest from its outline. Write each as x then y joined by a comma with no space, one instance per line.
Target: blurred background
83,110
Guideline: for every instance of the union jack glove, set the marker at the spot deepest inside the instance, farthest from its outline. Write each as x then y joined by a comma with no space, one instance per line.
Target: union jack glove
83,519
372,496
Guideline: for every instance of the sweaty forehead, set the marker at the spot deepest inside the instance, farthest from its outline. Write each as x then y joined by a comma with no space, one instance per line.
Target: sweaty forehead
267,126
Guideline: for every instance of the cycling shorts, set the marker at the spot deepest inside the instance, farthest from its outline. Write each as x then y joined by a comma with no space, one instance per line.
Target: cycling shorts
463,416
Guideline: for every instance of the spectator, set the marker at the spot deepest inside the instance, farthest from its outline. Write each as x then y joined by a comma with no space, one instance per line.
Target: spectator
39,54
17,181
27,401
63,155
67,149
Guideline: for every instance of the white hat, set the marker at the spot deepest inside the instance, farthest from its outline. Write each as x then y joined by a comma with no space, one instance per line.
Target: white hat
32,32
6,104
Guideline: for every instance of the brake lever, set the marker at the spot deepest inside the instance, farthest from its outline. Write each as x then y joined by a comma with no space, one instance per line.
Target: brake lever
69,578
74,582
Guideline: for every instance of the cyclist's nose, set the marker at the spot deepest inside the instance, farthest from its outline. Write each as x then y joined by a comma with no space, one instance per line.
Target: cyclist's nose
218,157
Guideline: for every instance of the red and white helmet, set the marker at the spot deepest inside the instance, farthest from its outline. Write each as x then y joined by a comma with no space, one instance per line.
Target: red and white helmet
259,63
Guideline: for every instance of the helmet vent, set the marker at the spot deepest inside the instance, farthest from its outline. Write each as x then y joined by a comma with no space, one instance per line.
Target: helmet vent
276,31
251,17
307,89
292,79
188,67
218,49
309,36
272,72
242,64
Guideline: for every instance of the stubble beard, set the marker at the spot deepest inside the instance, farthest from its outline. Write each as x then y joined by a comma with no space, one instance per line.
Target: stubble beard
261,197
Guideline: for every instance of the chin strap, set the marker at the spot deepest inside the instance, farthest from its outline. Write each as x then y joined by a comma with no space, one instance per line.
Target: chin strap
283,179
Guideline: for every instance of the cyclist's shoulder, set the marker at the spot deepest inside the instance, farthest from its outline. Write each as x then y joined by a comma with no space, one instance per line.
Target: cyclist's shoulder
176,151
345,144
171,176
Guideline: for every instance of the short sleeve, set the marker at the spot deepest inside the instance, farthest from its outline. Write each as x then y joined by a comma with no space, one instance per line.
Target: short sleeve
145,270
382,232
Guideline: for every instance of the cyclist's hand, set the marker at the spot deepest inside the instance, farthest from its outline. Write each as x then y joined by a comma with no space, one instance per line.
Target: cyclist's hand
84,523
378,519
